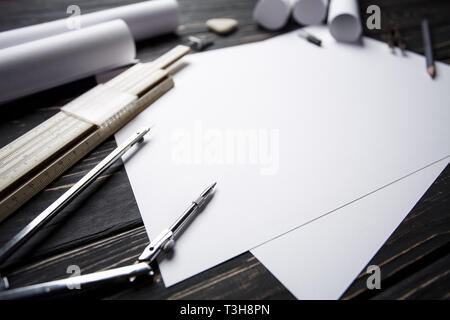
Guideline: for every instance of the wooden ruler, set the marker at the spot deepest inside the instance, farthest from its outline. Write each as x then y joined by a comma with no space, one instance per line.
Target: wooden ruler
31,162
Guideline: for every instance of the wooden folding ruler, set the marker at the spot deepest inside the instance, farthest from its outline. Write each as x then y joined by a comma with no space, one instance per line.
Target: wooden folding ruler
31,162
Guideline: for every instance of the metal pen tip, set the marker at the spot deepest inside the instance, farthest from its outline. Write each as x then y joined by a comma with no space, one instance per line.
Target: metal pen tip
208,190
145,130
142,132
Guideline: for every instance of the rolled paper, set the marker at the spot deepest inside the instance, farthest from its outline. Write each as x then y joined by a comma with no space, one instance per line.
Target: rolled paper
42,64
344,20
307,12
145,20
272,14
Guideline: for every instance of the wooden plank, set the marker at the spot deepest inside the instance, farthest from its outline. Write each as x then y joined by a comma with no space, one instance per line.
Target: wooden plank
430,282
233,280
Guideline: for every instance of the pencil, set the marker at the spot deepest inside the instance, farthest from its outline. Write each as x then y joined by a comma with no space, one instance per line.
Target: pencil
431,69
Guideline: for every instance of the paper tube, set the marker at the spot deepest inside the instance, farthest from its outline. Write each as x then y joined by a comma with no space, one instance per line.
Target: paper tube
49,62
145,20
307,12
272,14
344,20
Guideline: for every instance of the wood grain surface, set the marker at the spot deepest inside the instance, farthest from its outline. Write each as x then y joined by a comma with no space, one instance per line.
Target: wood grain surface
103,229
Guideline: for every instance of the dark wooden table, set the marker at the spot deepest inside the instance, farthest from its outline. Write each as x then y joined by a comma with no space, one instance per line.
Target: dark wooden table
103,228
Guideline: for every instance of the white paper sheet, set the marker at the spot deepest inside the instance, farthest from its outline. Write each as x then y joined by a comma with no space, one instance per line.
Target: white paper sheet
325,126
320,260
42,64
145,19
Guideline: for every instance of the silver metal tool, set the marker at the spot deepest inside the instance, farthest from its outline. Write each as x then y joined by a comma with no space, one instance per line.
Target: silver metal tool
4,283
200,43
69,195
162,243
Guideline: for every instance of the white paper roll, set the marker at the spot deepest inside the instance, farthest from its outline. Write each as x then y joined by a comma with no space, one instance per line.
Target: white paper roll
344,20
42,64
272,14
145,20
307,12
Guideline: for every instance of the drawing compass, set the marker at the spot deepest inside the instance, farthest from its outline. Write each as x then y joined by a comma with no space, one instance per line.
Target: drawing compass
164,242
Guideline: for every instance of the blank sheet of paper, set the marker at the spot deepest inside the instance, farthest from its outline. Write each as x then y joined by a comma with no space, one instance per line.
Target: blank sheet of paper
290,131
320,260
